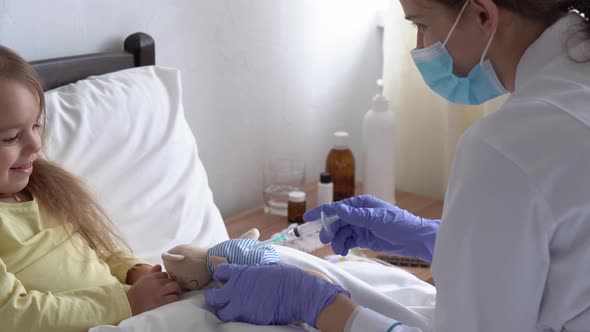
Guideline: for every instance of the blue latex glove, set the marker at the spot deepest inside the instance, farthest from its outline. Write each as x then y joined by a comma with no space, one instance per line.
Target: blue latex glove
275,294
368,222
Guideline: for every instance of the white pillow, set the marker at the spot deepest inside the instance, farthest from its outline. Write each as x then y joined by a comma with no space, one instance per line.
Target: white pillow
125,134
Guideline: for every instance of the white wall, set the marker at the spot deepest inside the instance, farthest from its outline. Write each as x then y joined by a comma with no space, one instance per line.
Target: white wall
261,77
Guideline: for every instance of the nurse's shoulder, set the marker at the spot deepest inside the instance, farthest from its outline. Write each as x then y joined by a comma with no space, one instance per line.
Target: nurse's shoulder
544,129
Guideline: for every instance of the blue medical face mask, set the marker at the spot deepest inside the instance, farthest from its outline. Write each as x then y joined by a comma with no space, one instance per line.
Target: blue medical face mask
436,66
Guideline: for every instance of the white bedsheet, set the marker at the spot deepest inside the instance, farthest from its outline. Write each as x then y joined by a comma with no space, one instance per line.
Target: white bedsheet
390,291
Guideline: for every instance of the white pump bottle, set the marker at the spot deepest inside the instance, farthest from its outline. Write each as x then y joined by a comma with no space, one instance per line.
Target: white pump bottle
379,149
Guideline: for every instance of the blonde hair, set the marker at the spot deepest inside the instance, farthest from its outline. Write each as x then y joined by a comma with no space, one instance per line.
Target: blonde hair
57,191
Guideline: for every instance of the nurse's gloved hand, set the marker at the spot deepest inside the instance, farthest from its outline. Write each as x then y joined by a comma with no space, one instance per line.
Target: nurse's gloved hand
274,294
368,222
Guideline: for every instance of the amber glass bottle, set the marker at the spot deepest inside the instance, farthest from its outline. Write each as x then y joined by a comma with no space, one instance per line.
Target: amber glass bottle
340,163
296,207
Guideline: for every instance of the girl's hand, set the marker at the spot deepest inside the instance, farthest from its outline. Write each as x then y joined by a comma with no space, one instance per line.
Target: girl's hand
152,291
139,271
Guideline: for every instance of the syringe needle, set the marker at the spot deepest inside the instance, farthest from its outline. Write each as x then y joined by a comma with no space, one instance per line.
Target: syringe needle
261,244
265,243
299,231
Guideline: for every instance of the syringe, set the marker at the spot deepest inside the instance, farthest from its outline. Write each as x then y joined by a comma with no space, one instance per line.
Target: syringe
299,231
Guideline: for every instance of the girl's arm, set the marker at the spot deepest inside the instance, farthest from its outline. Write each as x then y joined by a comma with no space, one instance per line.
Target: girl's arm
129,268
23,310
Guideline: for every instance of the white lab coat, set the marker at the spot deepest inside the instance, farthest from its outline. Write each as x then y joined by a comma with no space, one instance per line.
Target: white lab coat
513,249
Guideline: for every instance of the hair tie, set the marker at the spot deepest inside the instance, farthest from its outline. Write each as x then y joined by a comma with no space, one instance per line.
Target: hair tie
583,6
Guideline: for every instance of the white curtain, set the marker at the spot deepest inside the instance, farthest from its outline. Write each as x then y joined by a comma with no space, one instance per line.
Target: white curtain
427,126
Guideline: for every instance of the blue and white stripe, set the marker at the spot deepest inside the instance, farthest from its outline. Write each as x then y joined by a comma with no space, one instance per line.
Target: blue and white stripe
238,251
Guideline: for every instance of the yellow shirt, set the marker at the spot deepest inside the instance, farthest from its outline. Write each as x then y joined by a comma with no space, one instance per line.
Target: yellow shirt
51,282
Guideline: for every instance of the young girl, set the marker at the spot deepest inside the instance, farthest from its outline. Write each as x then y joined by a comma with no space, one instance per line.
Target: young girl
60,268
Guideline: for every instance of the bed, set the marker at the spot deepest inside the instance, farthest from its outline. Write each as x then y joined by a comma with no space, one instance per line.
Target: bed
117,121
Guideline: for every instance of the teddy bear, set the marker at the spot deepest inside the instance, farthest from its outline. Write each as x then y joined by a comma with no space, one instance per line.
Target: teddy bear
192,267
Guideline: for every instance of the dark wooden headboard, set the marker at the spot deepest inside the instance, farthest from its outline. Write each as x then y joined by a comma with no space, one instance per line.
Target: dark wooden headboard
138,50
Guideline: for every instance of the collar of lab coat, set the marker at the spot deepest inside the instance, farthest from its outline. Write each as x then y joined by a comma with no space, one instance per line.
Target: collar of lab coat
554,42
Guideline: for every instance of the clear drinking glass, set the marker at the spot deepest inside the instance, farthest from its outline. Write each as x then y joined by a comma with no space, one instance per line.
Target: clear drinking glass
281,176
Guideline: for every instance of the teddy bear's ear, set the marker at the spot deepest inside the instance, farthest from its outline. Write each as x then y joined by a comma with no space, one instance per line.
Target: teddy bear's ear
252,234
172,257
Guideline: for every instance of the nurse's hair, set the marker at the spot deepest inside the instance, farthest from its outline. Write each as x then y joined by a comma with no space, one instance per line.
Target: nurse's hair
548,11
57,191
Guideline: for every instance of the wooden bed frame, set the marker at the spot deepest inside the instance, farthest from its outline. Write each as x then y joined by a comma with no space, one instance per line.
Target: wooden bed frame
138,50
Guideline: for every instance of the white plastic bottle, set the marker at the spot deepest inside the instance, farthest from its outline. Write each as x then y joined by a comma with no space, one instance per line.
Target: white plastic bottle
325,189
379,149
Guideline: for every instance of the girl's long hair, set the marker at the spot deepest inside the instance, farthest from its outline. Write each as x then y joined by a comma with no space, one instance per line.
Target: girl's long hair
58,192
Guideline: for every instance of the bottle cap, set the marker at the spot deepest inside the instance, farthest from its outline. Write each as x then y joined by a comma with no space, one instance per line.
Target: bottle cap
341,140
296,196
325,177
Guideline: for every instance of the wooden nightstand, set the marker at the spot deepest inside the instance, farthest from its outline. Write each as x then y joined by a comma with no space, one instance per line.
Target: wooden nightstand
269,224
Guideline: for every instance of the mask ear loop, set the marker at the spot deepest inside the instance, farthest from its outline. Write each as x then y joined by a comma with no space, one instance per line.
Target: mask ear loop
485,51
456,23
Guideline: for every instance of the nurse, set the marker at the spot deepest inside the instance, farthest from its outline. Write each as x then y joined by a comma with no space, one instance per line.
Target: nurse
513,249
